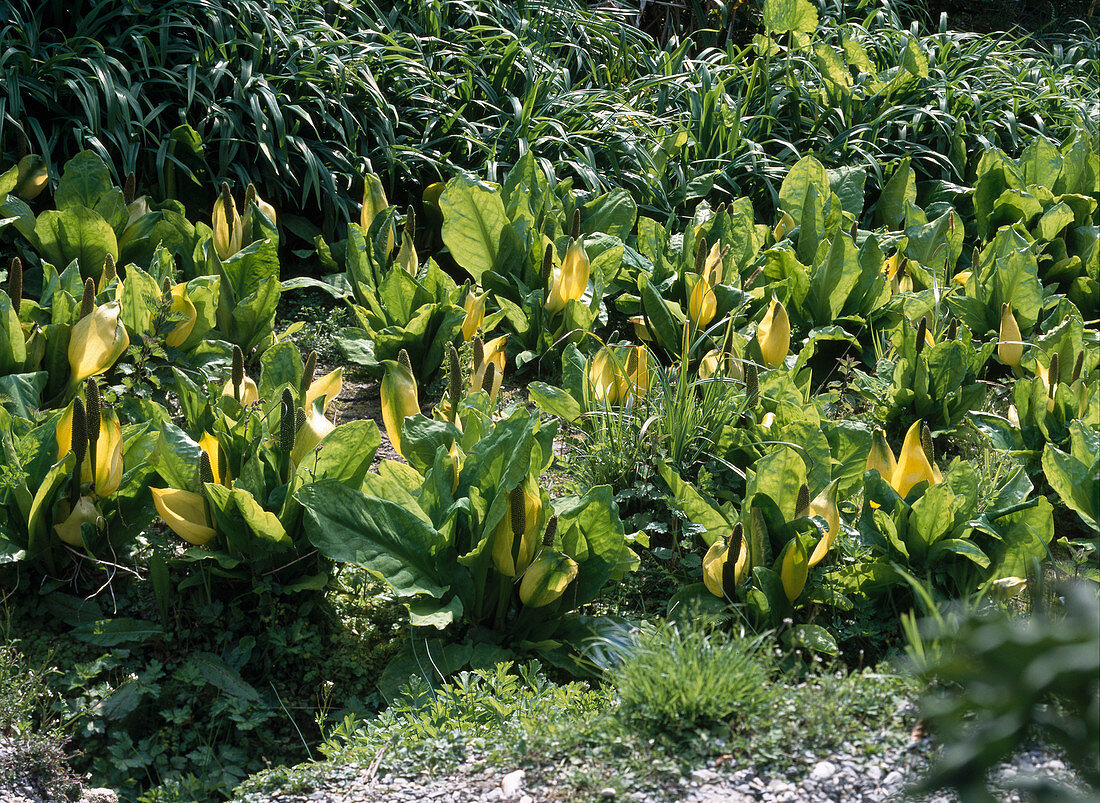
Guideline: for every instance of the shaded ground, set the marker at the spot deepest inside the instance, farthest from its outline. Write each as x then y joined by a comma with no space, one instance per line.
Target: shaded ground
1033,16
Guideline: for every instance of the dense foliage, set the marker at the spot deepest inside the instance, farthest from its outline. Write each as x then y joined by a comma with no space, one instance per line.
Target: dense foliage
301,98
806,317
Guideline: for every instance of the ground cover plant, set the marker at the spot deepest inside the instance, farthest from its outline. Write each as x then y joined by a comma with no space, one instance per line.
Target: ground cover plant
723,355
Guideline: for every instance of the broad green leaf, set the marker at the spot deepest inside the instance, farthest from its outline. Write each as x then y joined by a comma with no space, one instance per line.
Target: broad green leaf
1041,163
222,676
947,367
958,547
123,701
832,281
1024,538
814,638
22,393
280,366
857,56
9,179
996,173
778,476
936,244
694,506
807,172
914,60
401,295
1079,173
113,632
767,598
37,520
931,518
358,265
780,263
13,348
652,243
1016,281
524,190
667,322
832,68
77,233
140,299
1014,205
1077,483
812,226
86,182
1053,221
16,211
592,533
421,439
1084,440
176,458
781,16
263,524
605,255
848,183
425,337
429,612
555,401
872,290
167,228
376,534
473,218
866,578
849,441
612,213
498,463
814,451
252,319
249,293
357,346
899,192
344,455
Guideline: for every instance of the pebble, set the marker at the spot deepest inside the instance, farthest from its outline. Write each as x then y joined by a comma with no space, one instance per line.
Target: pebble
845,777
511,783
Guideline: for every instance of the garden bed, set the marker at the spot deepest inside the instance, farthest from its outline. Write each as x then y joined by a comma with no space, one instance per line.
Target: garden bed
491,400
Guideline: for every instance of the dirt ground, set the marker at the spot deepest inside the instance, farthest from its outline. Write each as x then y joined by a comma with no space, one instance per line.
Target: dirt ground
359,399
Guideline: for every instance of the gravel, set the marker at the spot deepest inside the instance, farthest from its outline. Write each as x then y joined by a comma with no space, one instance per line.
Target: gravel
845,777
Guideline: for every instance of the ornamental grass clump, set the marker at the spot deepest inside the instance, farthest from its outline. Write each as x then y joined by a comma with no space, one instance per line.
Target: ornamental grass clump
679,677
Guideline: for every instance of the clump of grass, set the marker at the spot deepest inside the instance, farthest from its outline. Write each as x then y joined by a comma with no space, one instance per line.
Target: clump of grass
678,678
